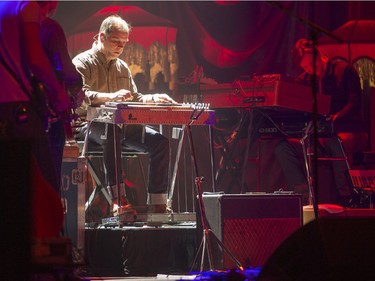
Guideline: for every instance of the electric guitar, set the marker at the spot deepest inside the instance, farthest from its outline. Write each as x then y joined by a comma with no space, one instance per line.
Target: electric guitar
47,113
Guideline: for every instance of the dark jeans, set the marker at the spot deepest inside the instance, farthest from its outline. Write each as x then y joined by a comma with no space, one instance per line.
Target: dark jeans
14,125
155,144
289,155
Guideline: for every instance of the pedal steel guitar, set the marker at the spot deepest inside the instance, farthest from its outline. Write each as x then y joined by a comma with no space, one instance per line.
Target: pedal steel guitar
184,114
159,114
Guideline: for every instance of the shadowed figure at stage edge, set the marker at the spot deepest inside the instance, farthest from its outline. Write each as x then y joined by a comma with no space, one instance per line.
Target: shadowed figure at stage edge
23,109
341,82
107,78
23,130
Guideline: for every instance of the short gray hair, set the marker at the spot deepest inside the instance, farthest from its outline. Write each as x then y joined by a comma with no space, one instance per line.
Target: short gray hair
114,21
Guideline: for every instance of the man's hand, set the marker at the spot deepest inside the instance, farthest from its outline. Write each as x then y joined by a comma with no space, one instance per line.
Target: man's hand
123,95
162,98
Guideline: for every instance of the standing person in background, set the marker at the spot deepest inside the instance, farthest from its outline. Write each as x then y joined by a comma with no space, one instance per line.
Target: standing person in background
341,82
108,78
55,45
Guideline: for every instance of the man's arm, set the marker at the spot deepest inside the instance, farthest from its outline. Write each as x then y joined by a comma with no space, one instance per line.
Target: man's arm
55,44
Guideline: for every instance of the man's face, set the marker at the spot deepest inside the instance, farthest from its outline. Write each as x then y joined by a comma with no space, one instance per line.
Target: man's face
308,65
114,43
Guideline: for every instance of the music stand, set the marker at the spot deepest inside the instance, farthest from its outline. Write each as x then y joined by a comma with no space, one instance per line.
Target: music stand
205,243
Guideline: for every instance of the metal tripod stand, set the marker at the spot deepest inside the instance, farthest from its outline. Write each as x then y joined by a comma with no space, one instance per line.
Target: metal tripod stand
205,244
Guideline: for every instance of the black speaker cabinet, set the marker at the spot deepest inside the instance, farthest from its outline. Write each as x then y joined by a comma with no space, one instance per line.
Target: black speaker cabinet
251,226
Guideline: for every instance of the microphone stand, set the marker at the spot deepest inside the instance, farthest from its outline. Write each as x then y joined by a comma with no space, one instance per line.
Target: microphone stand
206,242
315,185
306,152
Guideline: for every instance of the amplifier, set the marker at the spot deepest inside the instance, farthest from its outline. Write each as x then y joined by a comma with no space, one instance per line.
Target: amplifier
288,123
251,226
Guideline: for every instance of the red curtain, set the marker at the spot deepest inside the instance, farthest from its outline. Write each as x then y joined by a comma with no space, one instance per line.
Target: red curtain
233,38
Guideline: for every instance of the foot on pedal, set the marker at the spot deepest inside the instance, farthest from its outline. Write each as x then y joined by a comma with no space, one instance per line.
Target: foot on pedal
157,208
125,207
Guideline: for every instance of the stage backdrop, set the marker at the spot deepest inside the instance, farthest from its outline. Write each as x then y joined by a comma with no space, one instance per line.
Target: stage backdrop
229,38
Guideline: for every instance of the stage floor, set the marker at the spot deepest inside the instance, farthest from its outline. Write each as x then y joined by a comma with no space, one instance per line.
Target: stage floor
168,252
248,275
158,277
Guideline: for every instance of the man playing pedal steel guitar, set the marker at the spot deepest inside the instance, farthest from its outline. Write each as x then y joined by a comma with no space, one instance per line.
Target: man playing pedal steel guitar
341,82
108,78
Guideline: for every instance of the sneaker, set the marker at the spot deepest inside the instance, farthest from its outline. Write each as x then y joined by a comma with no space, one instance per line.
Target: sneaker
125,207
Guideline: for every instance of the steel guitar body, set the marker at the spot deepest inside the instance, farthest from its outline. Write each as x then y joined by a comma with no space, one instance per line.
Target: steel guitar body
139,113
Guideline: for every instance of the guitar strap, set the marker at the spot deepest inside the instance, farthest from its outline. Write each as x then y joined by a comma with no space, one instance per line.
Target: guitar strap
38,102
